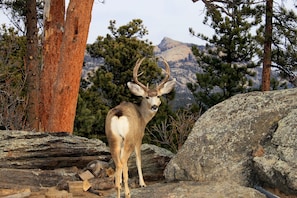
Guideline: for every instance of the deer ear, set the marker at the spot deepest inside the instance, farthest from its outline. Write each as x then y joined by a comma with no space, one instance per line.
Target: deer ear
136,89
168,86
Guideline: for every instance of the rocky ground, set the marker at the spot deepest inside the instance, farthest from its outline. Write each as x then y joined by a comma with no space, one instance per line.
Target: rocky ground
244,142
160,189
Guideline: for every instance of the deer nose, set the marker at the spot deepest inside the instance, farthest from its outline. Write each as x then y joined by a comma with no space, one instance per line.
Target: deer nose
154,108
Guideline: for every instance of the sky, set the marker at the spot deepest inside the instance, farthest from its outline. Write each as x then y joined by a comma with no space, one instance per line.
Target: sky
162,18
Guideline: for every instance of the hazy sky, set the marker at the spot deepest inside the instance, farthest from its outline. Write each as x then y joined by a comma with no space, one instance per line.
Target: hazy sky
162,18
170,18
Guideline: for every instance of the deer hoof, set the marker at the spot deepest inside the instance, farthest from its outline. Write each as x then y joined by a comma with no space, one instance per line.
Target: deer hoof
143,185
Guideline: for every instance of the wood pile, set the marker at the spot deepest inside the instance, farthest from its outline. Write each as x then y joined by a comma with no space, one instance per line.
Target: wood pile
62,182
34,164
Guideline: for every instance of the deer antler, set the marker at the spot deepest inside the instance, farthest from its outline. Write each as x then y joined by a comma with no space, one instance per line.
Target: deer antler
135,74
167,74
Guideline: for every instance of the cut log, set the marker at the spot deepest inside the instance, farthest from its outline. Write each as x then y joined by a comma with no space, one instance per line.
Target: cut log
36,178
15,193
86,185
75,187
86,175
35,150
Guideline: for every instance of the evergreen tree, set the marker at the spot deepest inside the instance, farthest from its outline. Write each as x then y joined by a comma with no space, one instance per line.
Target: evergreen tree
120,50
16,12
284,43
280,46
227,58
13,99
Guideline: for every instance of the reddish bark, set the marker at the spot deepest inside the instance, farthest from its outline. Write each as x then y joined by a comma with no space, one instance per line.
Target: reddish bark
267,47
53,33
66,85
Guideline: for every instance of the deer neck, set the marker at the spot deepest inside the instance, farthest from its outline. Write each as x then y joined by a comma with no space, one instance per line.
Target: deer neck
146,113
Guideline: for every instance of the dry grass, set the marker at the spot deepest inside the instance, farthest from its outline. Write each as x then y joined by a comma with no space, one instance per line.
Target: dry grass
173,132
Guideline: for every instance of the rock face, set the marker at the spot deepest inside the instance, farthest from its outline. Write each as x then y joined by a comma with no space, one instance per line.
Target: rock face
277,167
246,140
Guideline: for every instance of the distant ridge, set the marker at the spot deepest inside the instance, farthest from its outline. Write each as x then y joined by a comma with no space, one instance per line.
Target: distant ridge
183,68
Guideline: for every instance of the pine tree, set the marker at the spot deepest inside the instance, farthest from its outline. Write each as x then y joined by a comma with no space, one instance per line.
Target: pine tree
13,99
284,45
227,58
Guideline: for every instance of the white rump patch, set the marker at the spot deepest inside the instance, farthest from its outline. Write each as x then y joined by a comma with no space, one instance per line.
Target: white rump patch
120,125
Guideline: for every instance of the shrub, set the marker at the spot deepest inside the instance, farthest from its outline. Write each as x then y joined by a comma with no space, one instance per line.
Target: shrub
174,130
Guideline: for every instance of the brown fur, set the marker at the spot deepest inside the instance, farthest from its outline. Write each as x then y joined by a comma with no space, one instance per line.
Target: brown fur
132,142
122,144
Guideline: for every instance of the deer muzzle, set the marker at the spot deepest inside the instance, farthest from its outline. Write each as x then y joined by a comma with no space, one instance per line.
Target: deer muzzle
154,108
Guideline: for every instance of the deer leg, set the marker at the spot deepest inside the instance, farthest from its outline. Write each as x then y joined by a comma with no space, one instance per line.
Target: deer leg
116,153
138,164
125,174
118,180
124,159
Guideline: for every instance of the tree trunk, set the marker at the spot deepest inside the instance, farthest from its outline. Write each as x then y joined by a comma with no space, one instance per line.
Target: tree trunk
54,13
267,47
60,103
32,65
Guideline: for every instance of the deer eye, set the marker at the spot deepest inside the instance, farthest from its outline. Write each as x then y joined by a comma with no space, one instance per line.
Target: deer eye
147,97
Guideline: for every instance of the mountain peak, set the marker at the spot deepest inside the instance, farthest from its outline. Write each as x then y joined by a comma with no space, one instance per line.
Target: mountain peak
168,43
173,50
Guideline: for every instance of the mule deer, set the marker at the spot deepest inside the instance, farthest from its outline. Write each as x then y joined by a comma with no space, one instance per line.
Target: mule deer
125,125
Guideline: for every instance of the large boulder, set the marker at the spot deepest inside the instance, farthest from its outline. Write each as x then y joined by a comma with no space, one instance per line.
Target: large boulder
277,166
226,139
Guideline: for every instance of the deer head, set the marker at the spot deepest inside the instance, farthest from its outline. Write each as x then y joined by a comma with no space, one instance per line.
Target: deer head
151,97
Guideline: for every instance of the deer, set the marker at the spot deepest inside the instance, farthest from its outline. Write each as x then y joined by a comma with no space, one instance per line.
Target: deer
125,125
